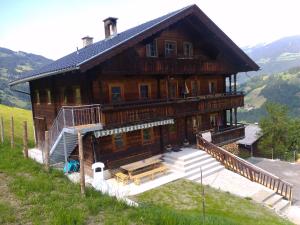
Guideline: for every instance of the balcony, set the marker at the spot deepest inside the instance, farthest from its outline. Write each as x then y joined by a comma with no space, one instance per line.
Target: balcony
228,134
146,111
166,66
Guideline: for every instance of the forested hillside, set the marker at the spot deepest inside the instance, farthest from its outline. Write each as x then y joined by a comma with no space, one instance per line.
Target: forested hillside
12,64
283,88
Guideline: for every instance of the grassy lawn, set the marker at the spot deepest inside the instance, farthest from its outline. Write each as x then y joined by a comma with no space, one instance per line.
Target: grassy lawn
29,195
221,208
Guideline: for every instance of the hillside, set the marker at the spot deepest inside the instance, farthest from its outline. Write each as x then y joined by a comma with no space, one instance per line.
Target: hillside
274,57
12,64
283,88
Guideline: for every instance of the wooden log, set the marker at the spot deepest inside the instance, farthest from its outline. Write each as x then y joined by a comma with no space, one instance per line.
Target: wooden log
2,130
81,161
46,152
12,133
25,140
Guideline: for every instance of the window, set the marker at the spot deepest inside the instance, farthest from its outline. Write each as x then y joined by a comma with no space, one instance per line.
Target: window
173,90
77,93
116,94
194,87
197,122
212,87
147,135
172,128
48,96
144,91
151,49
37,97
187,49
119,141
64,96
170,49
213,120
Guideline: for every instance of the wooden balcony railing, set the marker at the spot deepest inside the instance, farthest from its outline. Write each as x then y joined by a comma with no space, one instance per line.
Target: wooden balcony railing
167,66
228,135
246,169
142,111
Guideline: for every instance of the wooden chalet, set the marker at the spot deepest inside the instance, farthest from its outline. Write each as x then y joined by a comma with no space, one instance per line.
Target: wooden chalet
137,92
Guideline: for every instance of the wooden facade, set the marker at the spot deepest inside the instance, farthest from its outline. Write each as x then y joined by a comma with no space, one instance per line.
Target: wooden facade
179,72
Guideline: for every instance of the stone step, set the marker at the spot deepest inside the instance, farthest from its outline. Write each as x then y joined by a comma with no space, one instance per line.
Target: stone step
180,156
273,200
203,164
180,163
263,195
206,173
281,205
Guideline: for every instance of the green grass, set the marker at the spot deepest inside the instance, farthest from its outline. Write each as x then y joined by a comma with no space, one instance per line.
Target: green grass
221,208
20,115
29,195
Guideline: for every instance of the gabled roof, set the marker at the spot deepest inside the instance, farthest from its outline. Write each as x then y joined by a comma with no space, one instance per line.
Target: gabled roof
99,51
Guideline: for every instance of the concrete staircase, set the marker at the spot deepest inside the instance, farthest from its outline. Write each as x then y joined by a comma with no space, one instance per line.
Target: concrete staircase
272,200
190,161
67,140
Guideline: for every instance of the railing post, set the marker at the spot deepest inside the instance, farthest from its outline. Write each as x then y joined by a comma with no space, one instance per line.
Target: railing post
64,117
99,114
81,159
47,149
73,119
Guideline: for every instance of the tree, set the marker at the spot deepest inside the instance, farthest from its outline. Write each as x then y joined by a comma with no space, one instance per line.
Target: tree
275,129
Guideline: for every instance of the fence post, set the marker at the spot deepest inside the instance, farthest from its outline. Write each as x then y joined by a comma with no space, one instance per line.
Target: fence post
2,130
25,140
81,159
46,150
12,133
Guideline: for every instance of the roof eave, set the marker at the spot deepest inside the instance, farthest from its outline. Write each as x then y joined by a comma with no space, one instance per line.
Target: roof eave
42,75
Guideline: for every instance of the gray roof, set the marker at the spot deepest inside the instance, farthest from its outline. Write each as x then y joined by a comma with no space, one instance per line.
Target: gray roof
252,134
75,59
78,59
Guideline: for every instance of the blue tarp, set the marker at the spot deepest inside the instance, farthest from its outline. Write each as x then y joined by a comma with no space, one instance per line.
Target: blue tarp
71,166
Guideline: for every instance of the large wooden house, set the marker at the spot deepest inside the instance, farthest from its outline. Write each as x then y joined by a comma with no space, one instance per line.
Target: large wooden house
139,91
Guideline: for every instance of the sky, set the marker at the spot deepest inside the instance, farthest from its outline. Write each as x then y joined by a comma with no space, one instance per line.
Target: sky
54,28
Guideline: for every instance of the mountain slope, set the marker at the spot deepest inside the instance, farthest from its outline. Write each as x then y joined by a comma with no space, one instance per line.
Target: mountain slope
11,65
274,57
283,88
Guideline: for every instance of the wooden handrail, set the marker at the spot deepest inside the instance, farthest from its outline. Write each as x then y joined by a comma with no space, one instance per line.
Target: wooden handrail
246,169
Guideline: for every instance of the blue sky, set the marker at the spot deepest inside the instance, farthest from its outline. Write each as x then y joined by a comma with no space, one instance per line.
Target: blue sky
54,28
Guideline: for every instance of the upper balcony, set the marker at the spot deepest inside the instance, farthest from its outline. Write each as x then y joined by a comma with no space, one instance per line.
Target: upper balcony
119,114
167,66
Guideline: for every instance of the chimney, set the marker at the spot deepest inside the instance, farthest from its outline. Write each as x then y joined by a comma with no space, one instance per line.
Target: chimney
87,41
110,26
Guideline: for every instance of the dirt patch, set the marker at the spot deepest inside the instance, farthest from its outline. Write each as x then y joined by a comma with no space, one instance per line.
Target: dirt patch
8,198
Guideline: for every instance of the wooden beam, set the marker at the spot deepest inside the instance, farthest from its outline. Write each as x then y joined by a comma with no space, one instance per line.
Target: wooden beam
25,140
46,152
12,133
2,130
81,161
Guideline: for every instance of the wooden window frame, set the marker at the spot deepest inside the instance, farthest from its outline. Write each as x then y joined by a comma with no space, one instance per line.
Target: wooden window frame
191,51
75,97
170,41
149,90
177,88
148,142
116,84
64,98
148,50
37,97
216,86
124,138
49,96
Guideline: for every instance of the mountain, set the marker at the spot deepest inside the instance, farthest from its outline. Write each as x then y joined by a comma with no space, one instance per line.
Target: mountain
274,57
283,88
12,64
